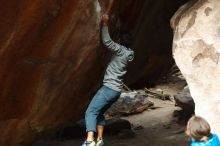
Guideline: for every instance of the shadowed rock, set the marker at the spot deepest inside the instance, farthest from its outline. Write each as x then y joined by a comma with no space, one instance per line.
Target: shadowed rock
78,130
185,101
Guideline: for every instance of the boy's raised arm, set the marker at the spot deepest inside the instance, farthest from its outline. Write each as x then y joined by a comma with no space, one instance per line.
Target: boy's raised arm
106,39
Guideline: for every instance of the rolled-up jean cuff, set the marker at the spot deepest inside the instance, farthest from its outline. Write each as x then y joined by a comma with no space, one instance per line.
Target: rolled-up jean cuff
91,130
101,122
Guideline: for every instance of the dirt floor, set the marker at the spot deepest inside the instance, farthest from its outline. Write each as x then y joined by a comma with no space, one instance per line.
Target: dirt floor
154,127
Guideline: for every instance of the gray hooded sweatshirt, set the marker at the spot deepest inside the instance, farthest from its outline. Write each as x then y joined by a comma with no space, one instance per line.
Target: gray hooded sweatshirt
117,67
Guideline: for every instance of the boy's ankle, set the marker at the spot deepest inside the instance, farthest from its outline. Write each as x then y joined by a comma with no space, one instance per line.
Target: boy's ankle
99,138
90,139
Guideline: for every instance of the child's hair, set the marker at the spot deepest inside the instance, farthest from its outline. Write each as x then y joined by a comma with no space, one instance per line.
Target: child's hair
124,38
198,129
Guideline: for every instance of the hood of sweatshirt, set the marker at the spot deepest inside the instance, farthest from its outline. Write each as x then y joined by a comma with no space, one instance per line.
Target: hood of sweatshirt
130,54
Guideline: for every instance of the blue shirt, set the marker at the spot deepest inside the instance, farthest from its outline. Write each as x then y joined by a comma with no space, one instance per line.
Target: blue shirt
213,141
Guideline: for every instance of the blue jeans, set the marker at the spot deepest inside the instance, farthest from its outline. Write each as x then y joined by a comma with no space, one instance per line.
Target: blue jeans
103,99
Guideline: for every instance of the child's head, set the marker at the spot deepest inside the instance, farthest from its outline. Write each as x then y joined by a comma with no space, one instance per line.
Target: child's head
124,38
198,129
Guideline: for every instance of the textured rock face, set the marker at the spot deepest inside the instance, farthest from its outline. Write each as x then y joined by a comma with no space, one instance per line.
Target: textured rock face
196,50
129,103
45,61
51,60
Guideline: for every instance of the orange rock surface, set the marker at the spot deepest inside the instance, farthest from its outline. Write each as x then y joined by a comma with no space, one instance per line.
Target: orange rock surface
52,61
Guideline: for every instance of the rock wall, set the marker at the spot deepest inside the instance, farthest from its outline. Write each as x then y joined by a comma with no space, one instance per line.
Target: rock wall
52,61
196,49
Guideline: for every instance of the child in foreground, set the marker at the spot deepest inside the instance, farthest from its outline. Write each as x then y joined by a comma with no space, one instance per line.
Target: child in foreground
198,129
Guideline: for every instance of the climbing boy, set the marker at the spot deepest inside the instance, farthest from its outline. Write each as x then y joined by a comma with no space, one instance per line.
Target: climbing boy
112,84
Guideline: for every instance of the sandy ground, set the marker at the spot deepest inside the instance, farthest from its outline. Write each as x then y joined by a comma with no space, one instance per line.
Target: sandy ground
154,127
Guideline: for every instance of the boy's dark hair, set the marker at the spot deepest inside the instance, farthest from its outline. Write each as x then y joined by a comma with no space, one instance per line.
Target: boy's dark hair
124,38
198,128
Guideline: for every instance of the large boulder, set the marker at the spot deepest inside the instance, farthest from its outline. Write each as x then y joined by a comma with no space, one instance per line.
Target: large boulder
196,49
52,61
